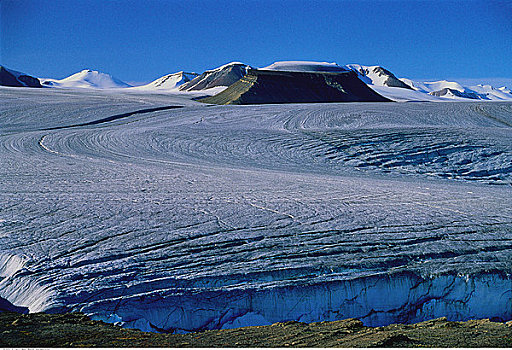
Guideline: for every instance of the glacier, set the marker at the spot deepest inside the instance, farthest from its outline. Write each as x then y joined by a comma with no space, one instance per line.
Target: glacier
157,212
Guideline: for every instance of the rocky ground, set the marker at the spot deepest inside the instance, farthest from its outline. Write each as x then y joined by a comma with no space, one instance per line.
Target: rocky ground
77,330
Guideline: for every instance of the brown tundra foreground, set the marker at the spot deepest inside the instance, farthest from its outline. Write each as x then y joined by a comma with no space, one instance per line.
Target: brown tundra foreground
77,330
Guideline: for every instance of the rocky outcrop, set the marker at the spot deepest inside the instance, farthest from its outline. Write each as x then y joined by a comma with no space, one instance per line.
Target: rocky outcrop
266,86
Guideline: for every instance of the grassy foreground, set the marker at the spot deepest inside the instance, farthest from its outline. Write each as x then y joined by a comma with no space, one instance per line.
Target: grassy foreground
77,330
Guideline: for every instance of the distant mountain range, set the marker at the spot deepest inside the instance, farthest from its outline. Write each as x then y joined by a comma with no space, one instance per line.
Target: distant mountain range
214,81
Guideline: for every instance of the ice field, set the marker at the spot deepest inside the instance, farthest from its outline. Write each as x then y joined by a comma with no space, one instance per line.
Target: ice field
167,215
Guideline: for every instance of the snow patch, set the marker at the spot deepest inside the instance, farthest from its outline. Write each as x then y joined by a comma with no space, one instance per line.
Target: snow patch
305,66
234,63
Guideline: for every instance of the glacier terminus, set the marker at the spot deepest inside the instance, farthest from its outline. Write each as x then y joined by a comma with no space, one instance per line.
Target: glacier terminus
158,212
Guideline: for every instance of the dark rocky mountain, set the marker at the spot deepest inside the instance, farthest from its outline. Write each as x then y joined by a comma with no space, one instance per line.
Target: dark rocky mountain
16,79
222,76
268,86
6,306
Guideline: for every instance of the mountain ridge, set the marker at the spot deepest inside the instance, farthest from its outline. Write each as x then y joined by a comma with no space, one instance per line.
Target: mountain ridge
213,81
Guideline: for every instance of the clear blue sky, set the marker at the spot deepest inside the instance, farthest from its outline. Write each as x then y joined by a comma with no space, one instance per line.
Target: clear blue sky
142,40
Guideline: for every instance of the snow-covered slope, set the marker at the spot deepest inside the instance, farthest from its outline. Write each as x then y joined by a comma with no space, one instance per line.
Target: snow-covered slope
425,86
87,78
406,95
169,81
305,66
222,76
9,77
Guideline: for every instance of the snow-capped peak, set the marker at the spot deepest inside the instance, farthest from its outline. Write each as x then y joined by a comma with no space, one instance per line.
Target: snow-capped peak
87,78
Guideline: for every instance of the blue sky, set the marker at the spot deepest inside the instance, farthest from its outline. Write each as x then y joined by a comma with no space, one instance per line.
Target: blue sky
140,40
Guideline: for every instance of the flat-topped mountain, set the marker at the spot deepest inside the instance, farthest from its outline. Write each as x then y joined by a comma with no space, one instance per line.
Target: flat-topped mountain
270,86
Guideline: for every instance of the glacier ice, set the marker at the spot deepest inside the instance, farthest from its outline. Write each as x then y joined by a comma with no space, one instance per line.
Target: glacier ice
207,217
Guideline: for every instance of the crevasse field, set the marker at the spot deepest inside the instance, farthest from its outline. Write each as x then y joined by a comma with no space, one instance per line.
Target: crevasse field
165,214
